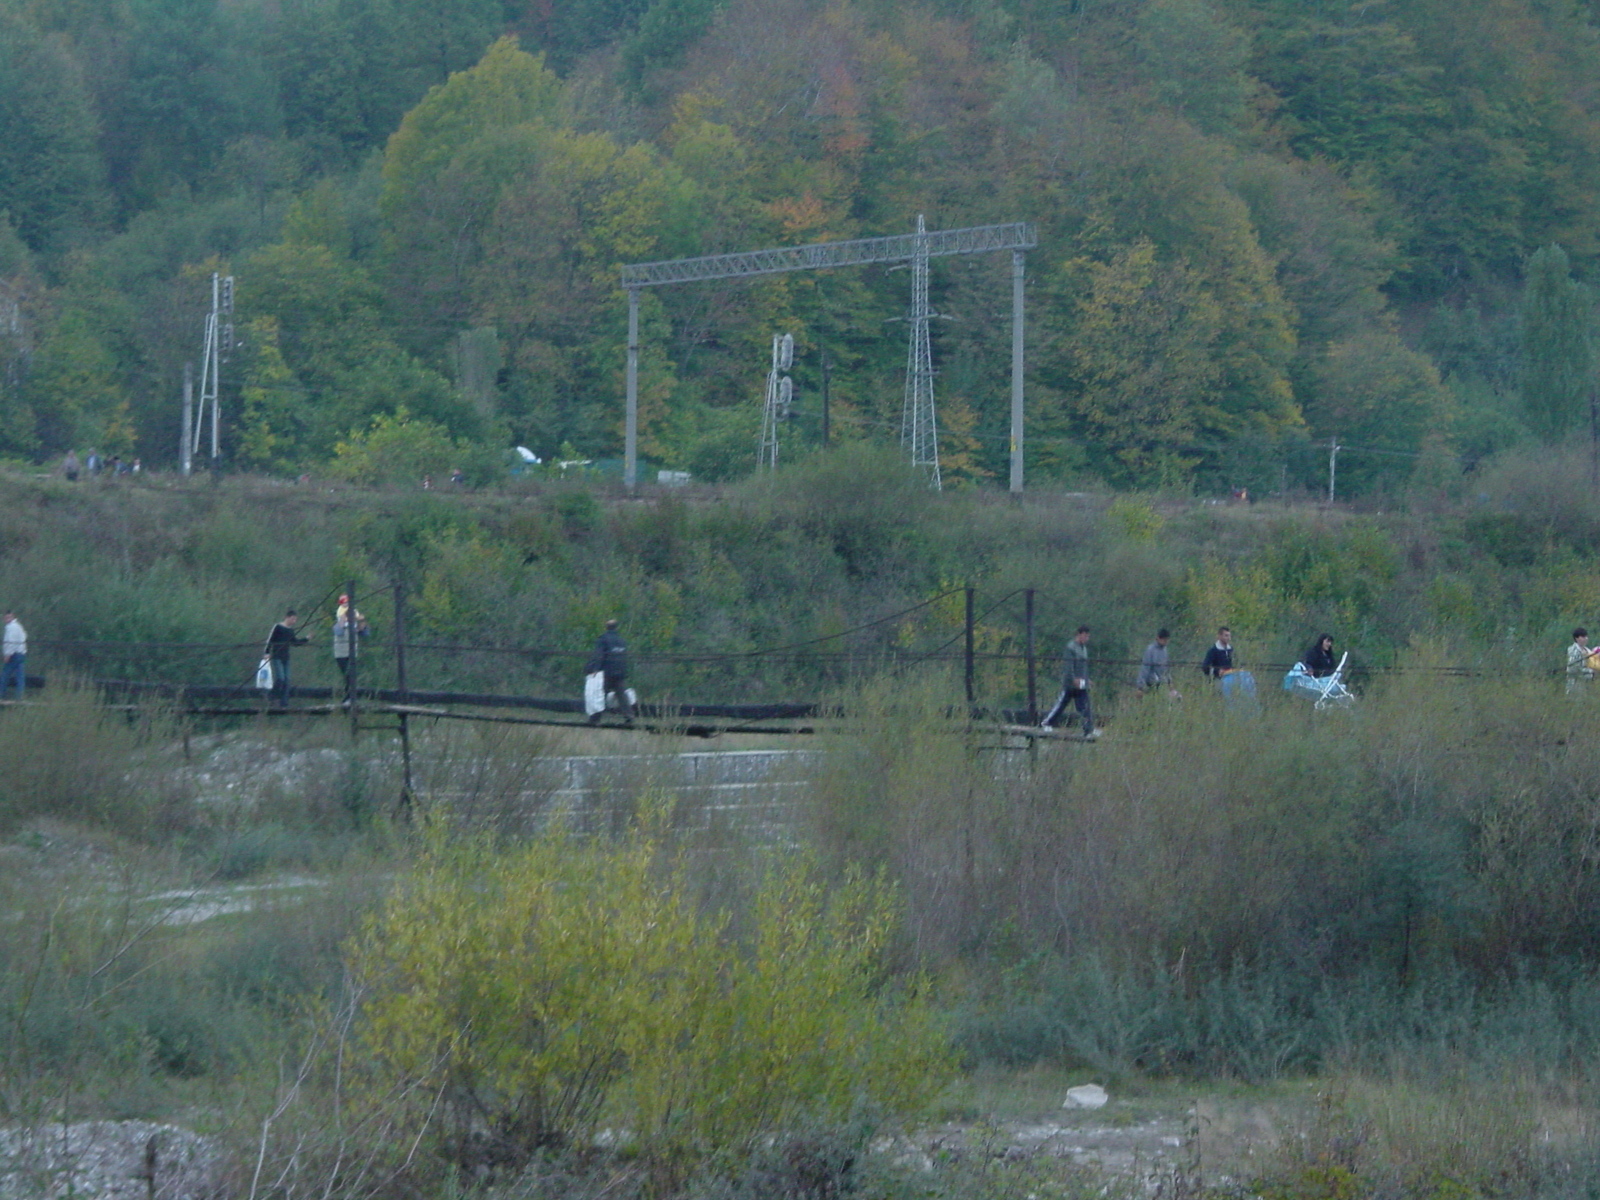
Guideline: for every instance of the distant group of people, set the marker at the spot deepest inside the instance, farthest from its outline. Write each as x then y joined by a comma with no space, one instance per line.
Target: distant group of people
94,465
458,479
606,673
1155,672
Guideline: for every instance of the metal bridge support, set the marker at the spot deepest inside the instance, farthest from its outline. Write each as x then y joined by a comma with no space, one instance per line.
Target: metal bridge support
1016,372
630,452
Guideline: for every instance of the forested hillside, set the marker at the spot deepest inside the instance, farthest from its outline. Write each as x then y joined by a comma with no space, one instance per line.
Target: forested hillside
1263,224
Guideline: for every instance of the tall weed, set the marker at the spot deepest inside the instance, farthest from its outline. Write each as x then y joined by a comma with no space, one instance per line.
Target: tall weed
1246,892
69,757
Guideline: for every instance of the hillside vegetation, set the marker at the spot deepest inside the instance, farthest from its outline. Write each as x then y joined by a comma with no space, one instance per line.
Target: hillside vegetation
1263,224
1398,901
781,588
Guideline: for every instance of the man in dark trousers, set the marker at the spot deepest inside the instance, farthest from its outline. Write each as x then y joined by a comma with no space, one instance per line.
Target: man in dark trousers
1075,686
611,659
279,641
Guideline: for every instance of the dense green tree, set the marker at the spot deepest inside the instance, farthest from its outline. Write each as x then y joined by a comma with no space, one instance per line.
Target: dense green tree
349,69
1353,86
77,384
1138,371
567,32
1196,62
444,173
549,283
179,83
666,32
271,428
51,176
1558,336
18,284
1371,391
328,319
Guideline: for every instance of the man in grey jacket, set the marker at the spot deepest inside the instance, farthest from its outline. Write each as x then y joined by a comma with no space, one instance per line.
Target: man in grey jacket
1075,686
1153,671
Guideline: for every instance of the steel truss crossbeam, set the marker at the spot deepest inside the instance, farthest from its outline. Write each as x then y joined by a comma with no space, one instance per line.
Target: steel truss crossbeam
915,248
900,247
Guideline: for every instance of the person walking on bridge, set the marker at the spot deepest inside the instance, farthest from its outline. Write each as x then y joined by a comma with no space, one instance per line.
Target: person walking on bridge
282,638
610,659
15,650
1154,672
349,626
1075,686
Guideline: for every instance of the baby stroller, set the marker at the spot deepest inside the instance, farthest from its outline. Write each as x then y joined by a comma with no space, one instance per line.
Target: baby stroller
1328,692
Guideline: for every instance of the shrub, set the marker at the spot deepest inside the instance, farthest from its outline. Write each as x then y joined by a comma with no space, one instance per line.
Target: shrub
402,449
540,992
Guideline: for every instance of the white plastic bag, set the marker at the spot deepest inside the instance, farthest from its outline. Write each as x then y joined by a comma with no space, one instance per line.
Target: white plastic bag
594,693
613,702
264,675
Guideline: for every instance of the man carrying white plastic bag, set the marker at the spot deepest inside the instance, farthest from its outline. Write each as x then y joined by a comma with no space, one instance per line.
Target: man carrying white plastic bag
606,677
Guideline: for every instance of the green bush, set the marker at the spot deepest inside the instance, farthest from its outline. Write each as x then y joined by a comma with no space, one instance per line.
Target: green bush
527,997
401,449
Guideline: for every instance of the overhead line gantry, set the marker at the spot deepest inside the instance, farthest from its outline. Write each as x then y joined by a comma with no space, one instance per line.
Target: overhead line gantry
1017,237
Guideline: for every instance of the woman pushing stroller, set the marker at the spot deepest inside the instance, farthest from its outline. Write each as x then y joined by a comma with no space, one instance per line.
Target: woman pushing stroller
1319,660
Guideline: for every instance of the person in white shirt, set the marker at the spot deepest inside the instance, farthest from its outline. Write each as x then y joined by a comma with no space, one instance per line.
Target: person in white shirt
14,647
1580,663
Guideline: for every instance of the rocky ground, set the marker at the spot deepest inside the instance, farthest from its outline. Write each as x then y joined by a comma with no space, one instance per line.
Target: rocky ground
107,1160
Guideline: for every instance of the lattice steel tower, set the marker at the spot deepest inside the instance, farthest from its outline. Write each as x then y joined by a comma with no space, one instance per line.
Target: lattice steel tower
780,398
919,428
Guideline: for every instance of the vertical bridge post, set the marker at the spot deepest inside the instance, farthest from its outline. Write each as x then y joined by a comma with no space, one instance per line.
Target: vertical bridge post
1016,371
630,451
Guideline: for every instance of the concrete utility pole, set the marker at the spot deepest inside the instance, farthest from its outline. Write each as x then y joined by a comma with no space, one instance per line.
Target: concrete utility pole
1333,465
218,345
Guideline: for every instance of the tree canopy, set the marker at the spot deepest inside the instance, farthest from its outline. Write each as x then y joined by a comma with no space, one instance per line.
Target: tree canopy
1263,223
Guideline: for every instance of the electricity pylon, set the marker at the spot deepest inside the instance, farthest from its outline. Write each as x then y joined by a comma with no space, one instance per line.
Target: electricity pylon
919,428
780,397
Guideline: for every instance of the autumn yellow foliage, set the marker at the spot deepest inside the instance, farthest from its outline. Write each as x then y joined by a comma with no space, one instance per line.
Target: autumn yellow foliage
532,997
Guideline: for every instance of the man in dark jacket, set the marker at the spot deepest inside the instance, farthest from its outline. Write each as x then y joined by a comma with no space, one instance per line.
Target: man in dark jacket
1219,659
610,658
279,641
